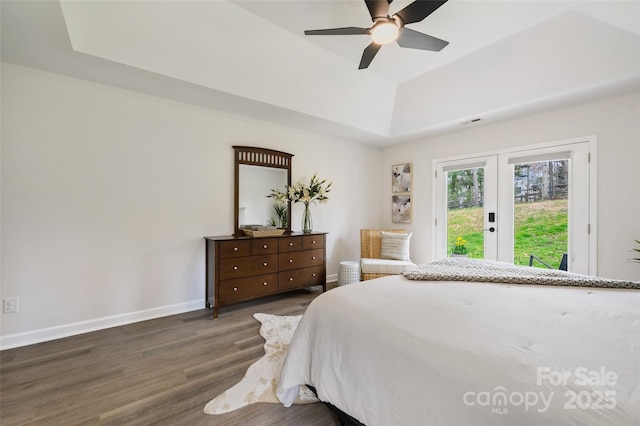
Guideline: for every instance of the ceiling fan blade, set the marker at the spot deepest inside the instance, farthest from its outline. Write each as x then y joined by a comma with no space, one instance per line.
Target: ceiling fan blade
418,10
378,8
368,55
338,31
417,40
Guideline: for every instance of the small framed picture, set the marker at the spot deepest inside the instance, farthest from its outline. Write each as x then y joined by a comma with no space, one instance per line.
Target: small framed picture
401,208
401,178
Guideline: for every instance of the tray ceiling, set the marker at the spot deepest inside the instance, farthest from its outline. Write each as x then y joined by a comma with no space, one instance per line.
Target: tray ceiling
252,58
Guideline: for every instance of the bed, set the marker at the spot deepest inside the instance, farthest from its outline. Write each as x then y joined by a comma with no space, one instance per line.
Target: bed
449,350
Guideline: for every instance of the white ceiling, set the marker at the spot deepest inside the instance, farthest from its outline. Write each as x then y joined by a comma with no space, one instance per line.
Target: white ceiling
505,58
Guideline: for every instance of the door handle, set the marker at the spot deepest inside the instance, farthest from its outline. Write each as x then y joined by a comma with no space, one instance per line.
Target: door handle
492,219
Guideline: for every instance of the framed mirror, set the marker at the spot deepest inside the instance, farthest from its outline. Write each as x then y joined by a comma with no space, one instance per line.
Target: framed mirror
257,172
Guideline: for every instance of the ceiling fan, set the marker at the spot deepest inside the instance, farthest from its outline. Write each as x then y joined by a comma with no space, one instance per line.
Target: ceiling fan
387,28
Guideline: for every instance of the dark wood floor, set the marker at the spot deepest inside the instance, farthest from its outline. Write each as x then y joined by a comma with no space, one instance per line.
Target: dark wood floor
158,372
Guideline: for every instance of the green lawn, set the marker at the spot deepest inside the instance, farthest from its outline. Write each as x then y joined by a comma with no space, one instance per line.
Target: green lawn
540,229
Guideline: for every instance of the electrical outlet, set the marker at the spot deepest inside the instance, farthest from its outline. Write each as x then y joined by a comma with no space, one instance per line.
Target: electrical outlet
10,306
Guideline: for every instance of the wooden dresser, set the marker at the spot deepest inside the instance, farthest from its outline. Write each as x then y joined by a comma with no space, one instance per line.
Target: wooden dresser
245,268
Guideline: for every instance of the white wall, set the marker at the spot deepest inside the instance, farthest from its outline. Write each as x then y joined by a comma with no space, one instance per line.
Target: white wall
615,121
107,193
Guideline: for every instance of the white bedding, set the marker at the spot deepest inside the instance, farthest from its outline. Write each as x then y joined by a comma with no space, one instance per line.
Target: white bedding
392,351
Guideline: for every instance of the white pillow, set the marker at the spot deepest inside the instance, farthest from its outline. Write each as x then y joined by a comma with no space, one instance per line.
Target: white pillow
395,246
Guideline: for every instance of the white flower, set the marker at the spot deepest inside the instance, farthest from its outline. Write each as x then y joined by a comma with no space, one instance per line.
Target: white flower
316,190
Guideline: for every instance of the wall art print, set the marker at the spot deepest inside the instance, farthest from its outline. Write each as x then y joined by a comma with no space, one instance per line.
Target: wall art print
401,208
401,178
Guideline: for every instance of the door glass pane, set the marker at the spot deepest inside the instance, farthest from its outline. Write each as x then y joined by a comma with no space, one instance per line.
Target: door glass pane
541,214
465,212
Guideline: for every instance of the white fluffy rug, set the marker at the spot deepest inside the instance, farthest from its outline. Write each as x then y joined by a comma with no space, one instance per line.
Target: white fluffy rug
259,382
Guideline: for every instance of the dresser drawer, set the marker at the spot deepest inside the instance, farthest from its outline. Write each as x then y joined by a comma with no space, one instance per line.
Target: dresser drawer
240,289
300,278
300,259
290,244
310,242
248,266
264,246
234,248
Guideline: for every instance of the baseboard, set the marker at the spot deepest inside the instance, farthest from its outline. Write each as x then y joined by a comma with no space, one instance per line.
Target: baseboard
52,333
59,332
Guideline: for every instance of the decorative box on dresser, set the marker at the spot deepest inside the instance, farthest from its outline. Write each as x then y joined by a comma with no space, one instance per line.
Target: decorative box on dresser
240,268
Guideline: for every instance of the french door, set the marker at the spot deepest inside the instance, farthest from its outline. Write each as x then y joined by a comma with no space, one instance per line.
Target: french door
466,192
529,207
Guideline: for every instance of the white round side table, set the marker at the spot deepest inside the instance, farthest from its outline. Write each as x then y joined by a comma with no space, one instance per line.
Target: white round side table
349,273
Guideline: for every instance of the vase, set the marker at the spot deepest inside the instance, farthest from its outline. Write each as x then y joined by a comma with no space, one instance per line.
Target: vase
307,223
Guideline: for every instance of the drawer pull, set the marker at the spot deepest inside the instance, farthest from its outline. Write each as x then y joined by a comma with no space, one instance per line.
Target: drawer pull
290,278
235,249
290,244
313,258
313,242
235,268
264,246
264,283
313,275
235,289
264,264
290,260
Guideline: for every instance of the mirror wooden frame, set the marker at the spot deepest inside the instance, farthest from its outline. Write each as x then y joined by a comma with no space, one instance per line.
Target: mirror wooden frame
259,157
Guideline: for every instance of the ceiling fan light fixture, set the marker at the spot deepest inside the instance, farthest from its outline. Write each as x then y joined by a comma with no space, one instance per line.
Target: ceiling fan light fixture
387,29
385,32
